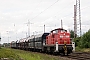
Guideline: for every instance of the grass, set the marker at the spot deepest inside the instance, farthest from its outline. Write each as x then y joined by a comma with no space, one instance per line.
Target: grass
14,54
82,49
8,53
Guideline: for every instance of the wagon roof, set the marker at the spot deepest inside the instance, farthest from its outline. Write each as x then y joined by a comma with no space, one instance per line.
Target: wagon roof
22,40
40,35
31,37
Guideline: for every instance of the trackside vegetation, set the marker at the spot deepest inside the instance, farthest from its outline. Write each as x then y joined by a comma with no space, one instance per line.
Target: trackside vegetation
8,53
82,43
14,54
78,49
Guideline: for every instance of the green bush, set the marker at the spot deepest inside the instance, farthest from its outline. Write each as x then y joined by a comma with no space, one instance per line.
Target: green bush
83,41
77,40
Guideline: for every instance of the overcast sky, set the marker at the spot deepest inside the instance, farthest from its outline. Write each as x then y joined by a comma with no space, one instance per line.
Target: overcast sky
14,16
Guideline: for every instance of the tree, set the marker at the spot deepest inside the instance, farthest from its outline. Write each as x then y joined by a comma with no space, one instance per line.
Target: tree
77,40
85,40
71,34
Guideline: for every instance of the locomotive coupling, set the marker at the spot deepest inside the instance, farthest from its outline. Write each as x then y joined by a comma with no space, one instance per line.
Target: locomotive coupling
65,47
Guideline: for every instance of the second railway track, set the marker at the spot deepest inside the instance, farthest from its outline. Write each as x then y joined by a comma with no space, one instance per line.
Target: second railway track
79,56
73,56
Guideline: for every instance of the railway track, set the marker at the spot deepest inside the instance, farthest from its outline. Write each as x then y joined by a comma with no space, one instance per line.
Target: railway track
79,56
73,56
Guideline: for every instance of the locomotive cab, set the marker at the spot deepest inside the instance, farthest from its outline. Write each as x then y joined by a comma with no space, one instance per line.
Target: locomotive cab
58,35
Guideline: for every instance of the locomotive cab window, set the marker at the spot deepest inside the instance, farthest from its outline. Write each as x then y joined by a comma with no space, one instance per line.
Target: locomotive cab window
55,31
63,31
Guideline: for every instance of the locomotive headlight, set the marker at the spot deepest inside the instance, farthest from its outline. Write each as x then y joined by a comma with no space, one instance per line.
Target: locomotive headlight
67,36
61,36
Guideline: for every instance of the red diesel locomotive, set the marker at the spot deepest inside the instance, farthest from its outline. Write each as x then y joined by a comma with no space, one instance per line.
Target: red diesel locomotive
59,41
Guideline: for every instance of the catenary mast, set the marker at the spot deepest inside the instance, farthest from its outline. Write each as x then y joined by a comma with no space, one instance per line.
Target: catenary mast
78,17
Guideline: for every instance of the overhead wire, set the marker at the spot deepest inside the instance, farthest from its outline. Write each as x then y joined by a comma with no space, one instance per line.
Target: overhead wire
35,8
61,12
57,12
72,12
45,9
85,7
81,9
65,9
49,7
